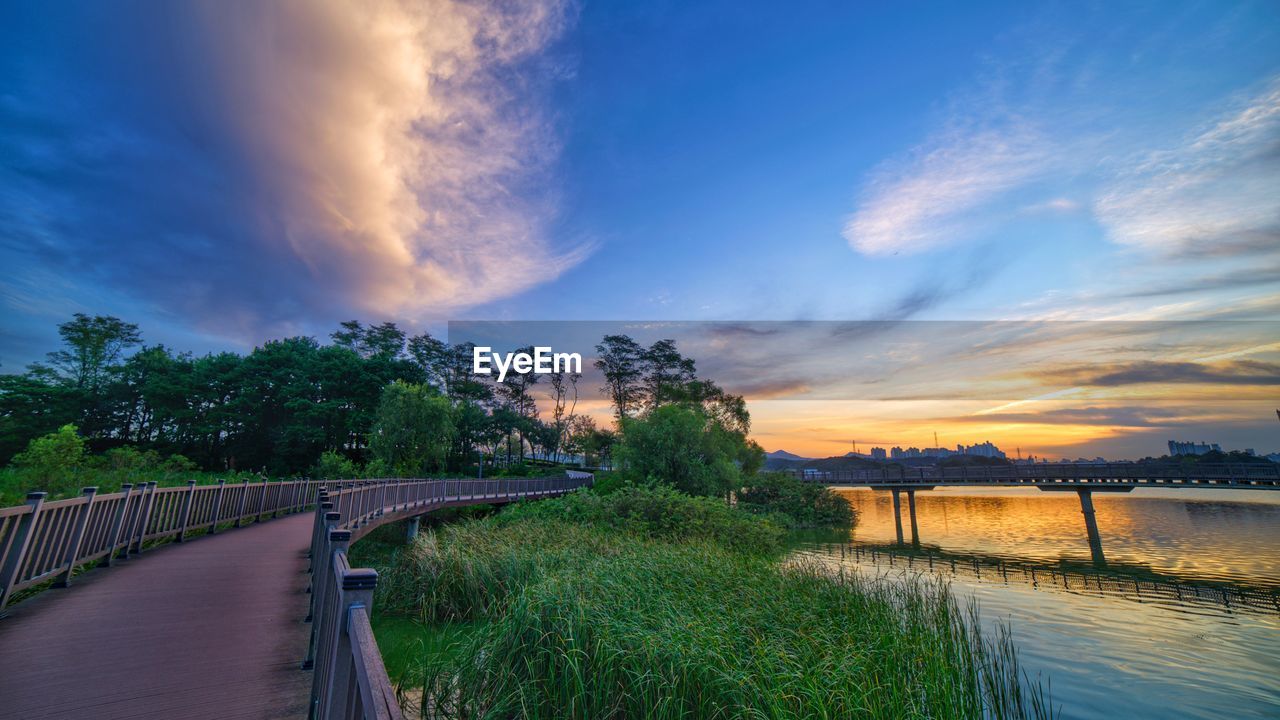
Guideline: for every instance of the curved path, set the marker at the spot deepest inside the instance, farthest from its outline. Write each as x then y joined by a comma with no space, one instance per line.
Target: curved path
210,628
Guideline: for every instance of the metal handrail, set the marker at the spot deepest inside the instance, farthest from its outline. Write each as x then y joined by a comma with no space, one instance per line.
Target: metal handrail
48,540
349,679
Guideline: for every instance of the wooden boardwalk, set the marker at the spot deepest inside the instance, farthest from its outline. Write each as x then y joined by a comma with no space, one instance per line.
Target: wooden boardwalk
211,628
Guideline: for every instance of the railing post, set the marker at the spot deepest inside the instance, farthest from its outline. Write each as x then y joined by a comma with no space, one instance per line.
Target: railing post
321,632
77,536
148,502
262,504
320,578
244,497
323,507
217,507
18,547
118,523
356,592
186,510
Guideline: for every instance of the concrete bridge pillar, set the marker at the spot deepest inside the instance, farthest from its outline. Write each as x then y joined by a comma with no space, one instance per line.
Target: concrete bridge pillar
411,529
911,509
897,514
1091,526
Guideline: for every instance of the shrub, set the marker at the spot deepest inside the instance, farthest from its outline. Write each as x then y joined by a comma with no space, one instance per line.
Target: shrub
658,511
807,504
333,466
52,456
179,464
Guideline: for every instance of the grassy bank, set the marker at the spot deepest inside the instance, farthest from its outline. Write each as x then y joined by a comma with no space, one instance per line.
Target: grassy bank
561,609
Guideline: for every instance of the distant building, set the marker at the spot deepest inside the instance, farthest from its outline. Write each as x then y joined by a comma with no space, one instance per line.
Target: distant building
1192,448
879,454
985,449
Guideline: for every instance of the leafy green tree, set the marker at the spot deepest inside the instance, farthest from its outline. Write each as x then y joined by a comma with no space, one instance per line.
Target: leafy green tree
52,457
414,429
682,446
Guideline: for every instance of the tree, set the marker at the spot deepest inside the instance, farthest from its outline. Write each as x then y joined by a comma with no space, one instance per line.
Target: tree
564,403
681,445
94,345
414,429
93,348
385,341
621,362
666,373
31,407
515,393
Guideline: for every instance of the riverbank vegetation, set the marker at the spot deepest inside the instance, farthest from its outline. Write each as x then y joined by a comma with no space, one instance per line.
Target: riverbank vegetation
595,606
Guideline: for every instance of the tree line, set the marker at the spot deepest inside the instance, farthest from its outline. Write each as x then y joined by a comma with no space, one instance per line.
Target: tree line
371,394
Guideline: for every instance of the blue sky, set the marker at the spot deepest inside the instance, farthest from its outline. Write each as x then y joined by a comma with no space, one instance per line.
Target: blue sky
227,173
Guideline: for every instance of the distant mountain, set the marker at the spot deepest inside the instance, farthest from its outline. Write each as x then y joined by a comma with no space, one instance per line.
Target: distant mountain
782,460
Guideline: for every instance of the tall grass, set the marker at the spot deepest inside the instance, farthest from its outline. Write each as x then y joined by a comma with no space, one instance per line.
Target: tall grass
580,621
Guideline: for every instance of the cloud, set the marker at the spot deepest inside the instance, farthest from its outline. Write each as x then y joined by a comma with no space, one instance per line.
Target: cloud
1241,372
930,199
1213,194
257,165
1132,416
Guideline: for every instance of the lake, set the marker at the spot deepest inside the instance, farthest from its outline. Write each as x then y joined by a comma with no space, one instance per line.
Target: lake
1182,621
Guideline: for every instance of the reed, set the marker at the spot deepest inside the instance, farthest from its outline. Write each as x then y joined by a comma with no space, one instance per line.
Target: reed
576,620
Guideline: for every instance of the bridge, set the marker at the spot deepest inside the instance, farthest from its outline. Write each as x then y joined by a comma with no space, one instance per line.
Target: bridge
1082,478
250,610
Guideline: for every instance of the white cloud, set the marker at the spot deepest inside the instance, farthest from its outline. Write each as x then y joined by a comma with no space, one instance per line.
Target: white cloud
400,156
1217,192
930,199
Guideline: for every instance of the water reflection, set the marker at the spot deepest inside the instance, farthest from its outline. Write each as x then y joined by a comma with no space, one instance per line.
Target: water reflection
1119,641
1178,532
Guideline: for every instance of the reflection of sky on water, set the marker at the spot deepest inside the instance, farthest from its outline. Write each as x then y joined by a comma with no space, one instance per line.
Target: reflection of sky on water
1211,535
1111,656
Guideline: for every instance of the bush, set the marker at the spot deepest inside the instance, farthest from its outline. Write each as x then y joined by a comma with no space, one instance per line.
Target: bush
333,466
179,464
658,512
807,504
53,456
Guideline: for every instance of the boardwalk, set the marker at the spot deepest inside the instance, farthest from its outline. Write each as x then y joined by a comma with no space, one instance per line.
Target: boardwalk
211,628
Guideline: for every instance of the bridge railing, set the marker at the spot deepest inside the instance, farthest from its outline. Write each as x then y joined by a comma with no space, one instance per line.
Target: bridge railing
42,541
1261,475
349,679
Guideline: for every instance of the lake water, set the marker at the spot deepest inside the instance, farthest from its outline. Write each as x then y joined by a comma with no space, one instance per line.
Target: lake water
1182,621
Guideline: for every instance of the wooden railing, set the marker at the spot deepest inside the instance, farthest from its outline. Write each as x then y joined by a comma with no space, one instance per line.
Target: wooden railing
349,680
42,541
1262,476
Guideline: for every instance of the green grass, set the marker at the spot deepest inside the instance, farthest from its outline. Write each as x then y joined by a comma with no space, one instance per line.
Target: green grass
16,483
550,618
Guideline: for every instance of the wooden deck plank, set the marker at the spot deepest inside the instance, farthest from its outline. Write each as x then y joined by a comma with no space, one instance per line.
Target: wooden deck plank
209,628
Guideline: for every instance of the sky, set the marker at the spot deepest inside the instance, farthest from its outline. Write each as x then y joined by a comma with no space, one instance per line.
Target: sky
223,173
